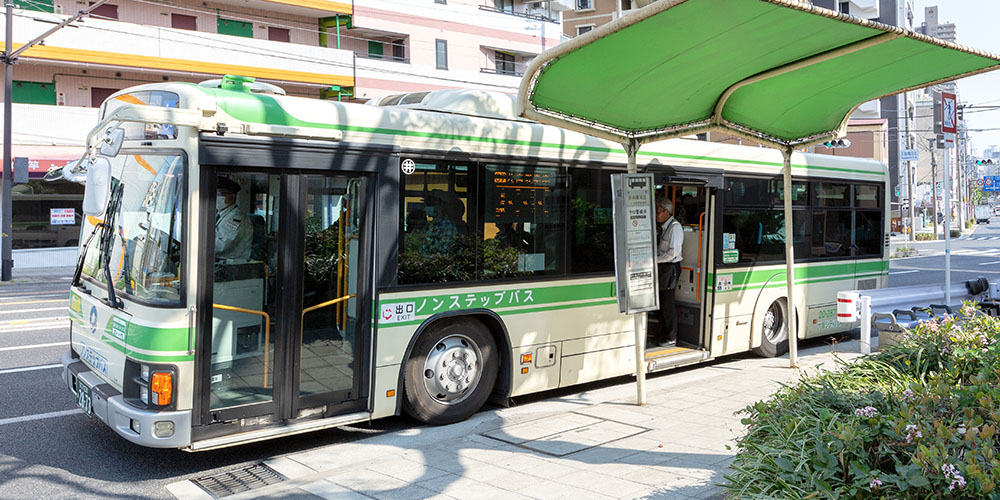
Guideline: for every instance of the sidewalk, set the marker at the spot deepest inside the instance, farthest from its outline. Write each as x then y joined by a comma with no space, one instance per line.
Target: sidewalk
40,275
596,444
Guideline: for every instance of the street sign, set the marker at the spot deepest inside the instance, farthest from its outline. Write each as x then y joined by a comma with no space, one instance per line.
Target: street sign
991,183
979,182
635,243
909,155
949,118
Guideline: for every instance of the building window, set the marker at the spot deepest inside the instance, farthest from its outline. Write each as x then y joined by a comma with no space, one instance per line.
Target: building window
278,34
182,22
34,92
37,5
442,2
106,11
98,95
375,50
505,63
504,5
583,29
235,28
399,50
845,7
584,4
441,47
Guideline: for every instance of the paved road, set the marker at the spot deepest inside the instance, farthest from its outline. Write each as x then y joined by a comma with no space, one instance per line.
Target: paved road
49,449
972,256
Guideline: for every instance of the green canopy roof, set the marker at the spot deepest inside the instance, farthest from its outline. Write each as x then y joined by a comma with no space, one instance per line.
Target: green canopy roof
780,71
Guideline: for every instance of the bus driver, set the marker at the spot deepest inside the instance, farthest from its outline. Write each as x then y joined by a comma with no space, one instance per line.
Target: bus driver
233,229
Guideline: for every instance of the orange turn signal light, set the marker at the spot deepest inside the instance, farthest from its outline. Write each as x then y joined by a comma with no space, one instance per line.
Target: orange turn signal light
390,393
162,388
526,358
524,370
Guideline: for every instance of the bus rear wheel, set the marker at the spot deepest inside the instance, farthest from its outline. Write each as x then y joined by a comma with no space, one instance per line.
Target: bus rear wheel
774,331
450,372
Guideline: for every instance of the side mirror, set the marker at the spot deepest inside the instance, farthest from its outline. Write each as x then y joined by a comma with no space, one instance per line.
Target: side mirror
72,173
112,142
95,198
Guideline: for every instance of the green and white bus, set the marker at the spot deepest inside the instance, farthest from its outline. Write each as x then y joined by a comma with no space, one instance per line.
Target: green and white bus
421,253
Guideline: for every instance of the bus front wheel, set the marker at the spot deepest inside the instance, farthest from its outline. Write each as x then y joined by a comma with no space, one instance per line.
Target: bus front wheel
774,330
450,372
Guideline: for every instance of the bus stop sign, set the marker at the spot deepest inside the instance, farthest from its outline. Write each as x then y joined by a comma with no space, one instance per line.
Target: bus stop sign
635,243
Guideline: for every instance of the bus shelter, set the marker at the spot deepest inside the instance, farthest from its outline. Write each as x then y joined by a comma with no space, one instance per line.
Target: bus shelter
780,72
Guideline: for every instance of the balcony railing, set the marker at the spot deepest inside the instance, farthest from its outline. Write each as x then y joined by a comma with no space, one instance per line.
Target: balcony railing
518,72
537,17
383,57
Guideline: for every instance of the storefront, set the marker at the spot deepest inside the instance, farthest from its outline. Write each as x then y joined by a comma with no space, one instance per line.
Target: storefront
46,214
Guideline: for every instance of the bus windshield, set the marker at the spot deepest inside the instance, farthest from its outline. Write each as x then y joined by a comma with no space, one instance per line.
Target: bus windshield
145,256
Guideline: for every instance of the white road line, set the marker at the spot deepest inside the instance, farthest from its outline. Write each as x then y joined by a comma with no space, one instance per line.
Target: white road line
34,346
29,369
905,272
34,310
988,263
52,326
40,416
33,296
30,321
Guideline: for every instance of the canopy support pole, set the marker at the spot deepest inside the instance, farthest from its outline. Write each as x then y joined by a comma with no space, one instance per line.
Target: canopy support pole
793,348
631,148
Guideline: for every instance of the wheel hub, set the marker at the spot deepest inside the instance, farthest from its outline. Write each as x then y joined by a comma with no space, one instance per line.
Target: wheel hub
452,369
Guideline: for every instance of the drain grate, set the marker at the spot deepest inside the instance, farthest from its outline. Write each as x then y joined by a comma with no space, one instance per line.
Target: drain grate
239,481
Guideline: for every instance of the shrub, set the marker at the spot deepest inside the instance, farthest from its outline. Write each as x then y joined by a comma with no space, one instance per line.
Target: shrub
916,420
955,233
926,236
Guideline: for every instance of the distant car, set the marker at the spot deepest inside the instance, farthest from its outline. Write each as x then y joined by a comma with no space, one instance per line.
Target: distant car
983,214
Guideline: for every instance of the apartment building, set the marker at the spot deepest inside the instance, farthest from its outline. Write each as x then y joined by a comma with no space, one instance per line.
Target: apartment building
325,49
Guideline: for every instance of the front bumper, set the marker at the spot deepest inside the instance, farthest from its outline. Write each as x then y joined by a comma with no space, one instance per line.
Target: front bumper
123,418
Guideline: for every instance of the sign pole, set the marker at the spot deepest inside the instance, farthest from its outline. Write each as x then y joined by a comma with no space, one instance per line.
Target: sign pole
949,127
639,318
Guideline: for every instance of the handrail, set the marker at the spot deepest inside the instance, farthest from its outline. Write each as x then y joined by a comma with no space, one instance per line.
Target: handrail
267,330
327,303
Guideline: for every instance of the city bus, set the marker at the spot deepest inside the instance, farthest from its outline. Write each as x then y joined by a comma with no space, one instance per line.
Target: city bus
255,265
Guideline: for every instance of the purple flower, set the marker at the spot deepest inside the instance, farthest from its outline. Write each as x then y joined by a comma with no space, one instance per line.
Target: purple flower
875,484
912,434
867,412
909,395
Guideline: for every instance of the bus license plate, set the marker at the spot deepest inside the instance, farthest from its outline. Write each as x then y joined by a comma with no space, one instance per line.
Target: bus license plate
84,397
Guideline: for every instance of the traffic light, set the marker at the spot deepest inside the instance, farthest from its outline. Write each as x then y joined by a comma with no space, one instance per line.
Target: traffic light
987,161
837,143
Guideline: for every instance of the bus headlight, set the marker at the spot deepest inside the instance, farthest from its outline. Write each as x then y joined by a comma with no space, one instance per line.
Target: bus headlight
161,389
152,385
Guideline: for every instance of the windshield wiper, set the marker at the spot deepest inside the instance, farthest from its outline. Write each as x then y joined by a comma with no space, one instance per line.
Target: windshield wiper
106,228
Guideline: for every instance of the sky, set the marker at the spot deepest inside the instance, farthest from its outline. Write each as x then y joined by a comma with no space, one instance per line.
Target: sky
976,26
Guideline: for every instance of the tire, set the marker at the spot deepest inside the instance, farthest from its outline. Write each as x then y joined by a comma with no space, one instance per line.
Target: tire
450,372
774,331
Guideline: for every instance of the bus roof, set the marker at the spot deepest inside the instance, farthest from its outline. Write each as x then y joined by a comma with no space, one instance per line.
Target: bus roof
482,122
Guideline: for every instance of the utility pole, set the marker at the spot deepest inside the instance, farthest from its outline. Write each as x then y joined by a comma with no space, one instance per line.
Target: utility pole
9,57
6,206
911,186
934,193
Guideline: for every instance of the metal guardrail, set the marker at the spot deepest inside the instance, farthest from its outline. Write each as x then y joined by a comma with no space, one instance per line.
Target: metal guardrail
894,309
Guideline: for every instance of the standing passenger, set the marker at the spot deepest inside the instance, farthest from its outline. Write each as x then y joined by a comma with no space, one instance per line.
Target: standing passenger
668,263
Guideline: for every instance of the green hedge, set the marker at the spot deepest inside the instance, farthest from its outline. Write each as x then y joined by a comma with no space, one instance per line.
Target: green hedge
914,421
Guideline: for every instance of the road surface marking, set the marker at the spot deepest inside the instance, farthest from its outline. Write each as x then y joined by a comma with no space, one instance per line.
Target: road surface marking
39,416
989,263
29,369
52,326
905,272
33,302
35,346
34,310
